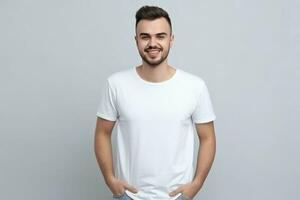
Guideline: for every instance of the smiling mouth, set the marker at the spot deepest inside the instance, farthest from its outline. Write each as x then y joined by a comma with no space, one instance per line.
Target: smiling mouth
153,52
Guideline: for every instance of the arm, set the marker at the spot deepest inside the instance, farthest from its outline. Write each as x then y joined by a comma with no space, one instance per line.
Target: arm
103,147
103,151
205,159
206,152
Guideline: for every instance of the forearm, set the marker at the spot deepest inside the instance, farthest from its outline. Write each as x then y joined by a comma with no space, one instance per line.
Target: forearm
206,154
103,151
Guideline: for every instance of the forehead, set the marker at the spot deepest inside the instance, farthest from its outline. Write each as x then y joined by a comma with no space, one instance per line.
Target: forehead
153,26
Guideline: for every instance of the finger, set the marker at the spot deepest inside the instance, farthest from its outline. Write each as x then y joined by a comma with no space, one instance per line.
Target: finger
130,188
175,192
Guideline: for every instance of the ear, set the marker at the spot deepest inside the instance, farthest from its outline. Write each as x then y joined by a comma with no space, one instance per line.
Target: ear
135,38
172,40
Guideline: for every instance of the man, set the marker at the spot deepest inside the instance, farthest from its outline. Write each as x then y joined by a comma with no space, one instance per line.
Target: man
156,106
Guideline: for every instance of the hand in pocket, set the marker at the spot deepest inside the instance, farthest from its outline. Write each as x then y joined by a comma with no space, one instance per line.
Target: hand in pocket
118,187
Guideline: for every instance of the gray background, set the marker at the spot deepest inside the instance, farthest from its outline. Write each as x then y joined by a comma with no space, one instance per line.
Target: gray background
55,56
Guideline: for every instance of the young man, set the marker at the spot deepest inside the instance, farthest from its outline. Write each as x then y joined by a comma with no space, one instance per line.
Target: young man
156,106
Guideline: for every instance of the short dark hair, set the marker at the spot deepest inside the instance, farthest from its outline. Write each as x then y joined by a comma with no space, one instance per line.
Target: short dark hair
151,13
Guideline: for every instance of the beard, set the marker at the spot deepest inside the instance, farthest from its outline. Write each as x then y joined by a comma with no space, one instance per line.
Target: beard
154,63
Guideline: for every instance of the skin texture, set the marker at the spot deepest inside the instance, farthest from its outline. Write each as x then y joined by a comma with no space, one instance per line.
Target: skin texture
156,36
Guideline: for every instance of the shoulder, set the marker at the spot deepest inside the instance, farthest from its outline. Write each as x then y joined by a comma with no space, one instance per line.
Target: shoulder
192,79
119,77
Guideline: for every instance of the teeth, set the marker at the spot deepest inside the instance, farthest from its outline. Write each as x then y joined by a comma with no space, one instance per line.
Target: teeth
153,50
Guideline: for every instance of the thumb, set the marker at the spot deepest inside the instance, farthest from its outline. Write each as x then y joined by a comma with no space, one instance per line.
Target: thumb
130,188
175,192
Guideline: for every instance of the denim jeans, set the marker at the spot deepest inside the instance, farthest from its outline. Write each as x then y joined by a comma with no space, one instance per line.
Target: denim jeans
124,196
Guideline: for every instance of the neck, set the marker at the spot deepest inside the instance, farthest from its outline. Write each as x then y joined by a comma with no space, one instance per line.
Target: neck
156,73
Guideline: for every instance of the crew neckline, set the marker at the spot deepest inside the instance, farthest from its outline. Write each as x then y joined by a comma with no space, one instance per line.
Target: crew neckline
155,83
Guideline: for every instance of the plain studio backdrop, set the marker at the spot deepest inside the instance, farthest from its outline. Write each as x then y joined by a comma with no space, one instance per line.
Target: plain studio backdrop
55,57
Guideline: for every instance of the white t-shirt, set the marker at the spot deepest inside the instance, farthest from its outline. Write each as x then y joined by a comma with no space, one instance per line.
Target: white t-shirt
155,130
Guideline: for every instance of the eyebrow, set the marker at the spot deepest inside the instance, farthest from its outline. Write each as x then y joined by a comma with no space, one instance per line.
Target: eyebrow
147,34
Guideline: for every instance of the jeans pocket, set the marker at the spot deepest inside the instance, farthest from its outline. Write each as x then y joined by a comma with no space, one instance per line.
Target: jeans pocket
182,197
115,196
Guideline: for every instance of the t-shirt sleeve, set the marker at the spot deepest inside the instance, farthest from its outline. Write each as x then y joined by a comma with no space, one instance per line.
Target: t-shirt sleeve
107,108
204,110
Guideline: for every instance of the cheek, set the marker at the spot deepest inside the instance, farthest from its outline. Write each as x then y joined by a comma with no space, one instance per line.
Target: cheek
165,45
142,45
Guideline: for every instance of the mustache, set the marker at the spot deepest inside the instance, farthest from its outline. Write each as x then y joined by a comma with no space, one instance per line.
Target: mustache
153,48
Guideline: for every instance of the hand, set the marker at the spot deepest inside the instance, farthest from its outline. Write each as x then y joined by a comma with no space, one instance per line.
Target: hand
118,187
188,190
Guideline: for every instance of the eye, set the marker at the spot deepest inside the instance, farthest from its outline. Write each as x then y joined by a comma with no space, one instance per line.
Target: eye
161,37
144,37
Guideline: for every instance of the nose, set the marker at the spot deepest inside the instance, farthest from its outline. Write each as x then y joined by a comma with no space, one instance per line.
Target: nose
152,42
